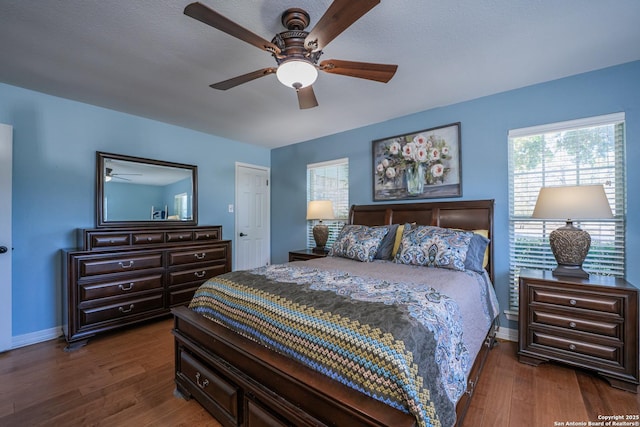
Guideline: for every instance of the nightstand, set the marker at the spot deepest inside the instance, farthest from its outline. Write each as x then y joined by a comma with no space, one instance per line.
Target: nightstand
305,255
588,323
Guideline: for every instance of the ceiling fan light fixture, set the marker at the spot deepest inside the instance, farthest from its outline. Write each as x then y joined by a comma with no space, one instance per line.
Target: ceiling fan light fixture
297,73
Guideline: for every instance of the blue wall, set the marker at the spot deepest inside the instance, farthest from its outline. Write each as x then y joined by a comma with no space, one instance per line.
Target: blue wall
485,123
54,156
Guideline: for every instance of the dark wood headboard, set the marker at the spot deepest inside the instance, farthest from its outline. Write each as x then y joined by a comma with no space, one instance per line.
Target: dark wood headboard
464,214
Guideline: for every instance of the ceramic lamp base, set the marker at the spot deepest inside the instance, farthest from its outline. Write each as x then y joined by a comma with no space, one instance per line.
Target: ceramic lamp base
320,235
570,246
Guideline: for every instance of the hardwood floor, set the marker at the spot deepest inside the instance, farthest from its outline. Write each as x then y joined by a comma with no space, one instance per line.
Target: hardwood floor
126,379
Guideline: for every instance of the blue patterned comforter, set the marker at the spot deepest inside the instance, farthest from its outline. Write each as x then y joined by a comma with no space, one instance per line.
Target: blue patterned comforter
398,342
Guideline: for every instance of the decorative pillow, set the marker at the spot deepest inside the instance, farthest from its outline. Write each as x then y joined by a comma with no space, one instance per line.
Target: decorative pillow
485,234
358,242
386,246
475,260
434,247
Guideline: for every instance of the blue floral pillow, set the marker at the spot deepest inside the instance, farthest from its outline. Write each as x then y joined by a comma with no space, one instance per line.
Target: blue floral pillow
358,242
434,247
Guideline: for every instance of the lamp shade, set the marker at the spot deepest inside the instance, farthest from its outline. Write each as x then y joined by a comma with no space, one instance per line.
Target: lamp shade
297,73
573,202
320,209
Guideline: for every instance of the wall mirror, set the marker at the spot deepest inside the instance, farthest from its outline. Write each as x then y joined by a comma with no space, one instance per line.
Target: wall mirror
138,192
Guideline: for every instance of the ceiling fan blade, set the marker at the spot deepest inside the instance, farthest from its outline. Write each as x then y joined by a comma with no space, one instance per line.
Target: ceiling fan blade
306,98
210,17
340,15
233,82
363,70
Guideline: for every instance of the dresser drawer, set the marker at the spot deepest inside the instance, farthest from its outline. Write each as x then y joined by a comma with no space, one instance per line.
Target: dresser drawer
179,236
197,255
221,395
119,264
609,329
576,299
91,291
203,235
128,308
578,347
147,238
196,274
111,239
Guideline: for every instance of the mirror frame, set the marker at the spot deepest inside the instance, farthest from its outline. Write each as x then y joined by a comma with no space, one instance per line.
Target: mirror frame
100,167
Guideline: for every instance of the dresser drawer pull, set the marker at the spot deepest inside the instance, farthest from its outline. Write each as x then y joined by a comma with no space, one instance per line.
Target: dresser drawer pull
200,274
128,288
202,384
572,324
149,239
129,265
572,302
203,255
126,310
572,346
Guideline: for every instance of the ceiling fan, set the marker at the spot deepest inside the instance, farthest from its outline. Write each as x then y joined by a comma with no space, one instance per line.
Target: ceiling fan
109,175
297,51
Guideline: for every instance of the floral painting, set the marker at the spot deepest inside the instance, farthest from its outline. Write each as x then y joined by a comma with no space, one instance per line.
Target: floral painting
420,165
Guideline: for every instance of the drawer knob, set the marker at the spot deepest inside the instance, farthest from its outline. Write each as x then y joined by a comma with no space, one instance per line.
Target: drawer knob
572,346
126,310
127,288
572,324
200,274
204,382
128,265
206,235
149,239
200,256
573,302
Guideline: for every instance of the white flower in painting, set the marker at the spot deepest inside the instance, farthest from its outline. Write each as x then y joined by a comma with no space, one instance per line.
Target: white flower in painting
395,148
385,163
445,151
437,170
391,173
435,154
421,154
380,167
408,151
420,140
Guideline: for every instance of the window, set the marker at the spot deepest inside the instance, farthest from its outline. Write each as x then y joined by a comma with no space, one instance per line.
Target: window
180,205
329,181
579,152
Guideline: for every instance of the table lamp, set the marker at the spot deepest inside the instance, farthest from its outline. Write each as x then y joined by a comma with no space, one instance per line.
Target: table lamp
319,210
570,244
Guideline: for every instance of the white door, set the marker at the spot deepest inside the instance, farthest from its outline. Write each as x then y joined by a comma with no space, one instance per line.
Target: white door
6,161
252,239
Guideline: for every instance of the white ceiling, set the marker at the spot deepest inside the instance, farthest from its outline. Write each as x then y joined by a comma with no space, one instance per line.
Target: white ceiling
146,57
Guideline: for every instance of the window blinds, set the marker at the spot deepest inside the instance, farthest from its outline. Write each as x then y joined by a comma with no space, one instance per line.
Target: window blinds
329,181
580,152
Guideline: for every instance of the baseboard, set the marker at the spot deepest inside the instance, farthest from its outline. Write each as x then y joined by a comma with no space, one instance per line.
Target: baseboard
507,334
35,337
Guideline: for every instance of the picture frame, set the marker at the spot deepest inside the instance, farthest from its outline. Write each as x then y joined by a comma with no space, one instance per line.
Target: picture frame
419,165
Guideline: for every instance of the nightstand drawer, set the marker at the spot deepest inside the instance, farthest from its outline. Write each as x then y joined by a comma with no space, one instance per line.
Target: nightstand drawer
609,329
576,299
577,347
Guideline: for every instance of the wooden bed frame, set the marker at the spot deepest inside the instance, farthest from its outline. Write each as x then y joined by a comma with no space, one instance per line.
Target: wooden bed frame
242,383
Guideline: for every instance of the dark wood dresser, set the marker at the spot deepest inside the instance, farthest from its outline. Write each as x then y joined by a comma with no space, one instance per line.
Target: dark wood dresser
123,276
588,323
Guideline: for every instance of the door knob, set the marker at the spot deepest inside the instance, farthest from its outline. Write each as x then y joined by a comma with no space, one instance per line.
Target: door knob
242,234
3,249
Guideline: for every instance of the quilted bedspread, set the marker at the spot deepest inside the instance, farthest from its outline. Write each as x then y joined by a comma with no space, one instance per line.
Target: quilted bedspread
400,343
